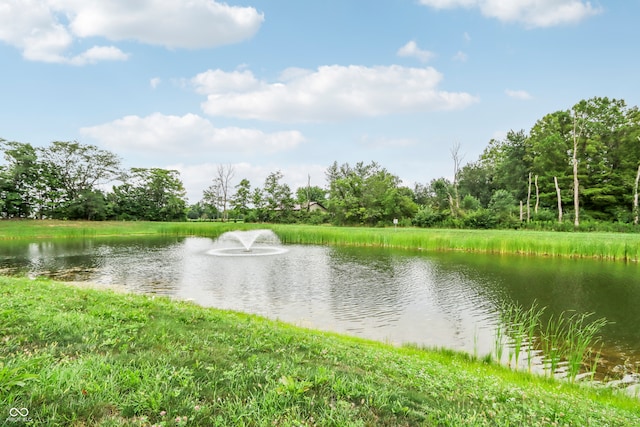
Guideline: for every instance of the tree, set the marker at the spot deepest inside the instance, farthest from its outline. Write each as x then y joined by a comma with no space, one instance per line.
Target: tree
242,198
258,201
310,193
367,194
476,179
548,152
278,197
219,193
150,194
457,160
502,205
69,169
591,149
18,180
509,163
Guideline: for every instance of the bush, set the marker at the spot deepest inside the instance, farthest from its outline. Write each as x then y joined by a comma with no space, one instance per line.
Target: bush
480,218
428,217
470,203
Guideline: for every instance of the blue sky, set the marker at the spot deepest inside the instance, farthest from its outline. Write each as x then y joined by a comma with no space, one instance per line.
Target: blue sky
268,85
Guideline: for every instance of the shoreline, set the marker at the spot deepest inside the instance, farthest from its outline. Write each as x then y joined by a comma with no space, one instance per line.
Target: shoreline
80,351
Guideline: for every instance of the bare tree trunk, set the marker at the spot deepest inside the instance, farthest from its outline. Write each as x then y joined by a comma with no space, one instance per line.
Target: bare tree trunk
537,196
223,182
529,200
635,198
576,184
452,205
457,159
555,181
577,134
521,211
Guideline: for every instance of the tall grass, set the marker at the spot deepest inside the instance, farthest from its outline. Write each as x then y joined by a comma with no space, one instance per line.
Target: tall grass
609,246
566,342
520,327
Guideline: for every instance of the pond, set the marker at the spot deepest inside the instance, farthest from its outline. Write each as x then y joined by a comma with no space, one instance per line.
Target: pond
450,300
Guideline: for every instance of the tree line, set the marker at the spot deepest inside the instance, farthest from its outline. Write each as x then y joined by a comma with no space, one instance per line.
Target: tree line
66,180
574,166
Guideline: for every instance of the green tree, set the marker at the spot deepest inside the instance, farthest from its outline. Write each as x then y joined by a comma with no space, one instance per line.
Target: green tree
150,194
367,194
259,205
278,198
592,151
509,164
313,193
241,201
18,180
549,155
476,180
70,169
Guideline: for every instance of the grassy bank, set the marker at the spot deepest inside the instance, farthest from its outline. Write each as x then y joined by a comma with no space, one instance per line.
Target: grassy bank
610,246
82,357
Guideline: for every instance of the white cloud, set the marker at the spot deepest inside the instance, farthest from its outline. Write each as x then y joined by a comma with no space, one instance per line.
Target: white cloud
45,30
460,56
531,13
518,94
411,49
329,93
99,53
159,135
155,82
214,81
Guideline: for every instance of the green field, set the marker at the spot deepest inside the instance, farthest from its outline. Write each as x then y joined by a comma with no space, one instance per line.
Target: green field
82,357
609,246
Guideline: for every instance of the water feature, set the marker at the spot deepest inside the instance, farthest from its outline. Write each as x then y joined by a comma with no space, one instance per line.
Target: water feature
248,243
432,299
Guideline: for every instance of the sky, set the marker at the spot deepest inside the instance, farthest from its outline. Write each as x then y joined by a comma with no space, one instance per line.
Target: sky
292,86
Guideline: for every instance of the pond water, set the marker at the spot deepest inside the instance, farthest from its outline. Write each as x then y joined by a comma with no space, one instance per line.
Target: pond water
431,299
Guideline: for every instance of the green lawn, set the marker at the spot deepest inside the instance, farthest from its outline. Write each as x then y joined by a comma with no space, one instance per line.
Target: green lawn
83,357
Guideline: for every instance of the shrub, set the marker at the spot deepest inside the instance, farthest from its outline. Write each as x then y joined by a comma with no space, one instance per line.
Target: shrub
428,217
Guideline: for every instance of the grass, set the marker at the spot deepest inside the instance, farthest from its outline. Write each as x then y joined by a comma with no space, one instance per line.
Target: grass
566,339
84,357
608,246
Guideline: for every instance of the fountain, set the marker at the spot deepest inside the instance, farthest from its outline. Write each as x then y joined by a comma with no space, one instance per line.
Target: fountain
248,243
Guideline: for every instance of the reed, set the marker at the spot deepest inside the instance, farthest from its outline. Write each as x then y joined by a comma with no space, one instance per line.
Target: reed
581,335
552,343
520,328
566,342
608,246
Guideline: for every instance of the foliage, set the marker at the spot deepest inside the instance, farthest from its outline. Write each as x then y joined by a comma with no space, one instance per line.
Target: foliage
150,194
278,198
366,194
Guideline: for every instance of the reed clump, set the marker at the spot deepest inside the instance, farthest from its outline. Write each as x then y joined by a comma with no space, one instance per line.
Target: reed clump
566,342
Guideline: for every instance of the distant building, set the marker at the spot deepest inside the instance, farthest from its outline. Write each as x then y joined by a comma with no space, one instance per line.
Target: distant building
311,207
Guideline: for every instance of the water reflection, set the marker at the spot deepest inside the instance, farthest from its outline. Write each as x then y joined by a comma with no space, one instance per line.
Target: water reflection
438,300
